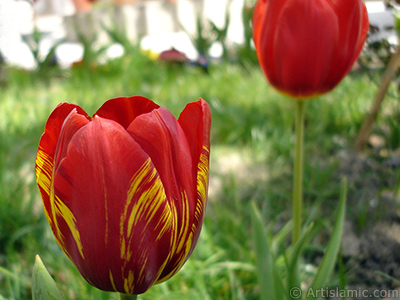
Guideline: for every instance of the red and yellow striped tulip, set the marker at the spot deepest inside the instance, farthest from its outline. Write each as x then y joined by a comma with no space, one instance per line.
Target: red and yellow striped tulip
306,47
125,191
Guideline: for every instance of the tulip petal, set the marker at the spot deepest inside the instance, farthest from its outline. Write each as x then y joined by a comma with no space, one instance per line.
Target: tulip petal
162,138
112,197
195,121
124,110
53,126
257,21
306,47
305,24
47,150
353,28
267,14
287,38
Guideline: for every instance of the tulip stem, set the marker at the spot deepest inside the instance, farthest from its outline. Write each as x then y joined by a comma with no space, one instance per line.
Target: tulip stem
298,172
127,297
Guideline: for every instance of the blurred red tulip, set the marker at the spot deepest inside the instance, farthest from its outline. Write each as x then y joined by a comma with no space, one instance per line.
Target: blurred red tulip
125,191
306,47
173,56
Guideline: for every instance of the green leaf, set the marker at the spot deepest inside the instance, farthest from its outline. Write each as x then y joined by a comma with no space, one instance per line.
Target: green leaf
46,62
120,37
271,286
43,285
396,16
342,274
282,235
294,280
330,256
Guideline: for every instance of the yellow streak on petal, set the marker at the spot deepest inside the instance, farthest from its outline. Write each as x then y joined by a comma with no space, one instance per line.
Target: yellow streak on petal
112,280
145,175
44,174
123,247
185,221
63,211
165,223
128,283
143,269
186,235
202,177
44,171
181,259
174,230
147,191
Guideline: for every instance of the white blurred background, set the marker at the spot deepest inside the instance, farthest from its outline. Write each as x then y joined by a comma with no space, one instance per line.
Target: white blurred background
161,24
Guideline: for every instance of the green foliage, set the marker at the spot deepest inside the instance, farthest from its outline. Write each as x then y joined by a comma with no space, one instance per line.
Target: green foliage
247,55
45,66
119,37
281,275
328,261
222,33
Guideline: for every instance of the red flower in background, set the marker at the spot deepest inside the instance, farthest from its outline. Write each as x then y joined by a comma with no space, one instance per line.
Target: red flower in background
173,56
125,190
306,47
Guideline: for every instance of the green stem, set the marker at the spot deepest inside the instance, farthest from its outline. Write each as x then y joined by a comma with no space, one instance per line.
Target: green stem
298,172
127,297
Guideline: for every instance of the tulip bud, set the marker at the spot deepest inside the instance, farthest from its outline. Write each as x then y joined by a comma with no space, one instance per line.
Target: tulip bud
125,191
43,285
306,47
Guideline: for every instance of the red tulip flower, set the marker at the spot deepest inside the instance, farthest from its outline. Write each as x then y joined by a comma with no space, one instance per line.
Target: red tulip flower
306,47
125,191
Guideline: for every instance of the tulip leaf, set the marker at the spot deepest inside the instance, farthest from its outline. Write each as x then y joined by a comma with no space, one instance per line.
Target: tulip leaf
43,285
271,286
282,235
330,256
294,280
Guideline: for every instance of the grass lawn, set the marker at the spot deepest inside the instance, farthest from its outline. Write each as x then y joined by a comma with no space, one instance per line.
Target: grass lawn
251,160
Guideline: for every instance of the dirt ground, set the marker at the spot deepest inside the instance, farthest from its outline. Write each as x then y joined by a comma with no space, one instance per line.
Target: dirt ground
371,241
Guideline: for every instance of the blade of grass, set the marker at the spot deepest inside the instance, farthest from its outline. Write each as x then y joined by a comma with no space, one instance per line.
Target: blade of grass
13,276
